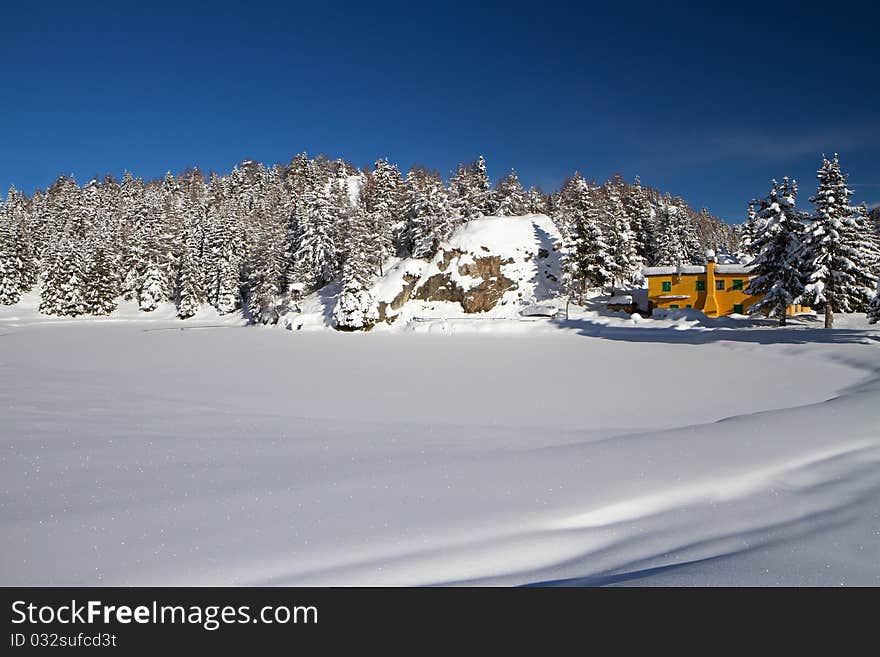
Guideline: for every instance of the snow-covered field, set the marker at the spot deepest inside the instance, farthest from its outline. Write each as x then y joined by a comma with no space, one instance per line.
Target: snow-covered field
598,450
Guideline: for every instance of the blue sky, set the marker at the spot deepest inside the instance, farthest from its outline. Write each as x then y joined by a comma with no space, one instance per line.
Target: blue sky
703,101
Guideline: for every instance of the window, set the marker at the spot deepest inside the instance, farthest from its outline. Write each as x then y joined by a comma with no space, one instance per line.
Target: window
737,284
667,286
738,308
689,306
701,286
673,305
719,285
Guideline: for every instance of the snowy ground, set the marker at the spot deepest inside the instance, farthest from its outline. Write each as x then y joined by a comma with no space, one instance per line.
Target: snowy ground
600,450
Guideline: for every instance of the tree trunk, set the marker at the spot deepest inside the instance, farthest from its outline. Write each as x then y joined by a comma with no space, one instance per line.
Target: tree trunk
567,303
782,317
829,316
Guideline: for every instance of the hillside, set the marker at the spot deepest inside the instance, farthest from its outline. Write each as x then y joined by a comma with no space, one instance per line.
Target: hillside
489,268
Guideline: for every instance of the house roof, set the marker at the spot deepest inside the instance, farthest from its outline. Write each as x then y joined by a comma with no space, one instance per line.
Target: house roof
734,269
674,269
696,269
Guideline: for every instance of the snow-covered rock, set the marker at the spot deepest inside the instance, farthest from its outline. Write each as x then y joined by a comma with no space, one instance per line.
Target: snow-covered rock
492,265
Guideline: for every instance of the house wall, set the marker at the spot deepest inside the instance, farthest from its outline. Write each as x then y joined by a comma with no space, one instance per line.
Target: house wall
685,285
712,301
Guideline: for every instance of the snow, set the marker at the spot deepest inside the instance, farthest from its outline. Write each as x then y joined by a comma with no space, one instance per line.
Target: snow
517,241
539,310
139,449
734,269
620,300
676,269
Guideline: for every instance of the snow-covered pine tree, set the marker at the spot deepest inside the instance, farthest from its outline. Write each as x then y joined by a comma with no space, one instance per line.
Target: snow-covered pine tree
63,290
19,224
315,255
836,252
428,213
10,264
568,203
865,241
102,282
153,285
510,197
484,197
461,195
190,275
356,307
536,201
641,218
677,239
133,213
874,307
623,263
777,228
585,253
383,203
747,235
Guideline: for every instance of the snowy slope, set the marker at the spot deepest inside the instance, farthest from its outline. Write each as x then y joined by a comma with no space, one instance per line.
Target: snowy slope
524,247
591,451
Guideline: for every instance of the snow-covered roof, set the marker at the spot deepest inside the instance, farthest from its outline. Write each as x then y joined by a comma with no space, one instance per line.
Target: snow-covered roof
734,269
620,300
674,296
696,269
674,269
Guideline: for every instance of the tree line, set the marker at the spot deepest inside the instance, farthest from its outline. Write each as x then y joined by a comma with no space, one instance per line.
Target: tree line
259,237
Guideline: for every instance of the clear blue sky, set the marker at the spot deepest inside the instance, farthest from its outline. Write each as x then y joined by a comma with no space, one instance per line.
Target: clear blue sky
702,101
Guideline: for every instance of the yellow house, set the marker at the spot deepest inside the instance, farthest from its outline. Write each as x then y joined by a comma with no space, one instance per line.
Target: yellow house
714,288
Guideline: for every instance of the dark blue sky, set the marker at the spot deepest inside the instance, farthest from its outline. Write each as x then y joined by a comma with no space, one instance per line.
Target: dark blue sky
702,101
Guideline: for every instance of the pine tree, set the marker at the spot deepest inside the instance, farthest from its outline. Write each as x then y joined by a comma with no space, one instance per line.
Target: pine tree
133,211
315,255
622,263
536,201
747,236
677,239
190,281
428,213
641,218
10,265
874,307
356,307
484,198
777,228
384,215
63,291
510,197
585,253
102,284
153,285
836,248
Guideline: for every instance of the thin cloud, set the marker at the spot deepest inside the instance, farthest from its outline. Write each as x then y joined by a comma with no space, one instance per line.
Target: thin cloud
772,146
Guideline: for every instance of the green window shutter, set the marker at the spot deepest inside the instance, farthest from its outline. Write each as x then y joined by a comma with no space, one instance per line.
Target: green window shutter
738,307
667,286
737,284
701,286
673,305
689,306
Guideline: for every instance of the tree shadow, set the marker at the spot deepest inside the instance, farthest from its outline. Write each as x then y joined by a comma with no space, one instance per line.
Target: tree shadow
748,333
547,267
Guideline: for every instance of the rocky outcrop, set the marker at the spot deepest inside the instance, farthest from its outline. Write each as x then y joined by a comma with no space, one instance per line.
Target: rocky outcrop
490,265
485,272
